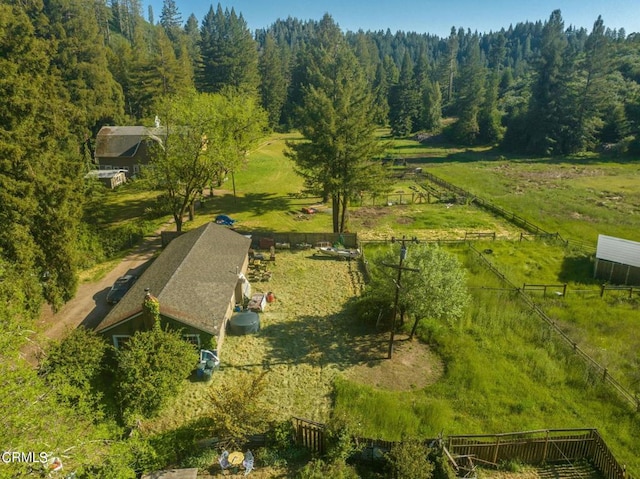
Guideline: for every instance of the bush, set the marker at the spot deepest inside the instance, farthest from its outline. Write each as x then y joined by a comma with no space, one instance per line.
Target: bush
282,449
318,469
409,460
150,370
72,369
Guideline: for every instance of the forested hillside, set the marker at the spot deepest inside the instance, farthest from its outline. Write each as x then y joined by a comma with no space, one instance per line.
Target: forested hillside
68,67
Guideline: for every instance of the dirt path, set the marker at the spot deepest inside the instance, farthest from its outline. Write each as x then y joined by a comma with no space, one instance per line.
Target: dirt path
89,305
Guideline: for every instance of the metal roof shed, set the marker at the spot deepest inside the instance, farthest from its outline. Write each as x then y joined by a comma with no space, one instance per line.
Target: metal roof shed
617,260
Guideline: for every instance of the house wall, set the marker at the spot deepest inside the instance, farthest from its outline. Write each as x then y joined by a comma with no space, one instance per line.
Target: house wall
130,164
135,324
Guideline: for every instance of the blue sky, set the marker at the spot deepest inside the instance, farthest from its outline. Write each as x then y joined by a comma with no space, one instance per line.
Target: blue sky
423,16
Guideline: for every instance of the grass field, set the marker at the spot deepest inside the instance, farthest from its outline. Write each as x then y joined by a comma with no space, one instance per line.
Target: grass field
501,369
577,197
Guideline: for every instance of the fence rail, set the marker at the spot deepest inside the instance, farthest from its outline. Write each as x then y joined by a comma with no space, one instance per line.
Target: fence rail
510,216
531,447
537,447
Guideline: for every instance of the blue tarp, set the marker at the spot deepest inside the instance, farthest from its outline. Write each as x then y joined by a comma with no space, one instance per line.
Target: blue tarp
224,220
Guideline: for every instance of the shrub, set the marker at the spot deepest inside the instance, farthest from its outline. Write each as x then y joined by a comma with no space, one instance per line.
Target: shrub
318,469
409,460
72,369
150,370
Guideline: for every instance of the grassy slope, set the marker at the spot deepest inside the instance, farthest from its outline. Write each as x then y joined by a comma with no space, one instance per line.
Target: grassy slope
504,372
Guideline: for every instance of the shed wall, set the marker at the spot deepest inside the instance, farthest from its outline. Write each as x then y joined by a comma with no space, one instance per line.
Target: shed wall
618,250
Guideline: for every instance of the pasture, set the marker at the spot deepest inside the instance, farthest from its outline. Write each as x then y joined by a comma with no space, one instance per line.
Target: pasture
497,370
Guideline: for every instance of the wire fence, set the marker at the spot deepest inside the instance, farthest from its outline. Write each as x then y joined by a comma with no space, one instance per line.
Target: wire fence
602,371
510,216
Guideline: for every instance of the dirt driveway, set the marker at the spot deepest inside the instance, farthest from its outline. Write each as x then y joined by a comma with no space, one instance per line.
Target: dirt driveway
89,306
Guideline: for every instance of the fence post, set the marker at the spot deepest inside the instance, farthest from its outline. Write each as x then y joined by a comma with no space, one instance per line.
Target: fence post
495,451
546,447
564,290
602,290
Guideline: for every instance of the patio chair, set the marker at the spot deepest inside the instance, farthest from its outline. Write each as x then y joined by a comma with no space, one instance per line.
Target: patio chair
248,463
223,460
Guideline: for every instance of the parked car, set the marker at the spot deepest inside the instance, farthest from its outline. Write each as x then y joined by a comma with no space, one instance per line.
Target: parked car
120,288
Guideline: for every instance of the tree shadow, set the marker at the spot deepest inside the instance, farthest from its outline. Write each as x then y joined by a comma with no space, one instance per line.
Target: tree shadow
340,340
257,203
577,269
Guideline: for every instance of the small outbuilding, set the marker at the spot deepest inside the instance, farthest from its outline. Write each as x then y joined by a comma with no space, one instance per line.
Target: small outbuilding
617,260
109,178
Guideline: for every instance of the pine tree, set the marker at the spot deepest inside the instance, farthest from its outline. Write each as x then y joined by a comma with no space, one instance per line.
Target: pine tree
337,123
404,100
171,20
431,119
192,40
592,91
546,117
381,96
469,94
273,86
228,53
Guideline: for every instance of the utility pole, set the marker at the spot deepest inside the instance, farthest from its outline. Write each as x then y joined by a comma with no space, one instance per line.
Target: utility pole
400,268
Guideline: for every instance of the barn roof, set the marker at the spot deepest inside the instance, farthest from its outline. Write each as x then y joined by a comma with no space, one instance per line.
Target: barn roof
123,141
618,250
194,279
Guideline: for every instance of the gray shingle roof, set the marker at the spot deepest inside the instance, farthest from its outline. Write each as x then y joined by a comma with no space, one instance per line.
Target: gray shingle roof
194,279
123,141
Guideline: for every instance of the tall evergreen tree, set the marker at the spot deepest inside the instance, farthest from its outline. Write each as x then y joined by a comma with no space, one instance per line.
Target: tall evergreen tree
381,96
337,123
171,20
81,61
192,40
273,73
404,100
591,88
469,94
228,53
546,116
431,108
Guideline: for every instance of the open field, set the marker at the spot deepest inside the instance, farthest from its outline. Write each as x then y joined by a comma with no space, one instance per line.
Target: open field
577,197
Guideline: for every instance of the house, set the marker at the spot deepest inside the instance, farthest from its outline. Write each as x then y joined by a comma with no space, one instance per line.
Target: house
125,147
617,260
198,279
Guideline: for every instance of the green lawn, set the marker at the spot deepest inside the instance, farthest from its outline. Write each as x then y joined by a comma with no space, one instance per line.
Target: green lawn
579,198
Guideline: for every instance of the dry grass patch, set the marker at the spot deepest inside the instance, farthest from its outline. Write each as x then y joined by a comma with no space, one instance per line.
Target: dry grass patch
414,366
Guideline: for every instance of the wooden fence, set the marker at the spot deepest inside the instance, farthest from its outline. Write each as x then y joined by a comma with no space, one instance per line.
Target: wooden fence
293,240
510,216
310,434
529,447
537,447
